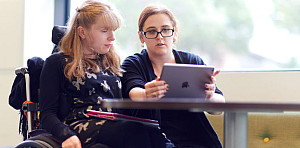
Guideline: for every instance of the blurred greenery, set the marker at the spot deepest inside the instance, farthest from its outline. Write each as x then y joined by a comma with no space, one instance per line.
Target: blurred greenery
286,15
205,25
222,31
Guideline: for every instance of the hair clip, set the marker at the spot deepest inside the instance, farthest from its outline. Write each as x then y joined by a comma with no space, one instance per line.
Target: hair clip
77,9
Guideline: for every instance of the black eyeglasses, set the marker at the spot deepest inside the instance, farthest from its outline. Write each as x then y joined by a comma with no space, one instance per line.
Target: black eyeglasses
153,33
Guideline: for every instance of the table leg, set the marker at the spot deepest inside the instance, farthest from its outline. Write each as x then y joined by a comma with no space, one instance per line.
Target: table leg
235,129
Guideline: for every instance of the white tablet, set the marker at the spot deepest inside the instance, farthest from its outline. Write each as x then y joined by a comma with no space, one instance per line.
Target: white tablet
186,80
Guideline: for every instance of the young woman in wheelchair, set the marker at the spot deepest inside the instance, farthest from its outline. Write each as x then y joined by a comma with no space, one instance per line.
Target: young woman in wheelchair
86,70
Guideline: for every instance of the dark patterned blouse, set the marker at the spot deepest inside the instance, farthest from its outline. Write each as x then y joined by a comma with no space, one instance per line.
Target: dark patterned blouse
62,100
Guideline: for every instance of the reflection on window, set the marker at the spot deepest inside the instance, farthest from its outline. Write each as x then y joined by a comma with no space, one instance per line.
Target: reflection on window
230,34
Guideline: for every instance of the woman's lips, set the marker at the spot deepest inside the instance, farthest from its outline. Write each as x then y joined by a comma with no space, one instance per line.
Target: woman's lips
107,45
160,44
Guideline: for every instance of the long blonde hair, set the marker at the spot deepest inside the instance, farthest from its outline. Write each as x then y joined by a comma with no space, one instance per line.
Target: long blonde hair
71,45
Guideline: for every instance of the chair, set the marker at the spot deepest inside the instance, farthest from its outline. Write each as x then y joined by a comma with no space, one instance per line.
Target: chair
24,97
29,121
57,33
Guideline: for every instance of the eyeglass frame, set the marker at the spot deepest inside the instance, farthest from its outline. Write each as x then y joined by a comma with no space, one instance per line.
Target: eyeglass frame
144,33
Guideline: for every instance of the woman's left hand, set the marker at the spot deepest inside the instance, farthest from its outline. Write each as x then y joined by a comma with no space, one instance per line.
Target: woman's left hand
211,96
211,87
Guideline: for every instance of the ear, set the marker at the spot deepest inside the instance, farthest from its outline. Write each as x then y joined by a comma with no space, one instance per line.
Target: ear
175,36
81,32
141,36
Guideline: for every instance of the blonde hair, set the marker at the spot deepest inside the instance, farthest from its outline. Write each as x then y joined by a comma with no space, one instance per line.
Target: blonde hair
71,45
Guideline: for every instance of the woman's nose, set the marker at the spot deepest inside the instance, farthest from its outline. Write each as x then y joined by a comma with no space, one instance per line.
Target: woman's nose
111,36
159,35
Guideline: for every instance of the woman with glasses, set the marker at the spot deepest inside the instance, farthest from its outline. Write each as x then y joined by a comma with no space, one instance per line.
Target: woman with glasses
159,31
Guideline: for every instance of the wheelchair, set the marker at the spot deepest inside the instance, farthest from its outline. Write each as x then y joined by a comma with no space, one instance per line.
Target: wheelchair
24,97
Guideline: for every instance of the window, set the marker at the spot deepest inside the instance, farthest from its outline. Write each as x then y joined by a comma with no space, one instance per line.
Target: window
229,34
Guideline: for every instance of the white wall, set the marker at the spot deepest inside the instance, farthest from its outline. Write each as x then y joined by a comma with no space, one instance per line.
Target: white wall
38,22
25,28
11,57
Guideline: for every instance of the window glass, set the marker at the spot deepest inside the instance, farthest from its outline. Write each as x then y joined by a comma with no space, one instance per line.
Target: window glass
229,34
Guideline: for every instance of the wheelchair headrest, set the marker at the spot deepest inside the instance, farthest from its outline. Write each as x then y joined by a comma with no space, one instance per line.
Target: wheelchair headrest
57,33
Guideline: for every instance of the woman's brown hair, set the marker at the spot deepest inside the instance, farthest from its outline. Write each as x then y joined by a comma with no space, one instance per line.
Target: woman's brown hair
155,9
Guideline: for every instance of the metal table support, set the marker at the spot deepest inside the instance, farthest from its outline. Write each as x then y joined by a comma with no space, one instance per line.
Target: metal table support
235,129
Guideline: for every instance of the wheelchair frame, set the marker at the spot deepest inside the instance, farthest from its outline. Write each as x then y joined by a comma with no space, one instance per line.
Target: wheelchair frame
41,140
28,108
31,109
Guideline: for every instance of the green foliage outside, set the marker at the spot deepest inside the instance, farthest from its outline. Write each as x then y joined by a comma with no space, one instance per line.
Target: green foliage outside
286,15
211,28
205,25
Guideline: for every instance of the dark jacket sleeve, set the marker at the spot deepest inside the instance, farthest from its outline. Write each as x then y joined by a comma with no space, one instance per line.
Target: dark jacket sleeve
50,92
131,77
138,71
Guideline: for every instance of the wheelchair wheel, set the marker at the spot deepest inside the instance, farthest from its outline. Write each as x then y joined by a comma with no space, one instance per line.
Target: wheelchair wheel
30,144
39,142
49,141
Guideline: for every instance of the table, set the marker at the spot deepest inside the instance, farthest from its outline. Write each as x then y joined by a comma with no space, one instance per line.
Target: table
235,113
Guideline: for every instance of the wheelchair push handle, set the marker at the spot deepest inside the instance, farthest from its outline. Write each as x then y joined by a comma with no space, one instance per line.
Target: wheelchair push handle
21,70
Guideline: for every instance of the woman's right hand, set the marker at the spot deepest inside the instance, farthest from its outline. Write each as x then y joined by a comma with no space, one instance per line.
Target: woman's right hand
156,89
72,142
